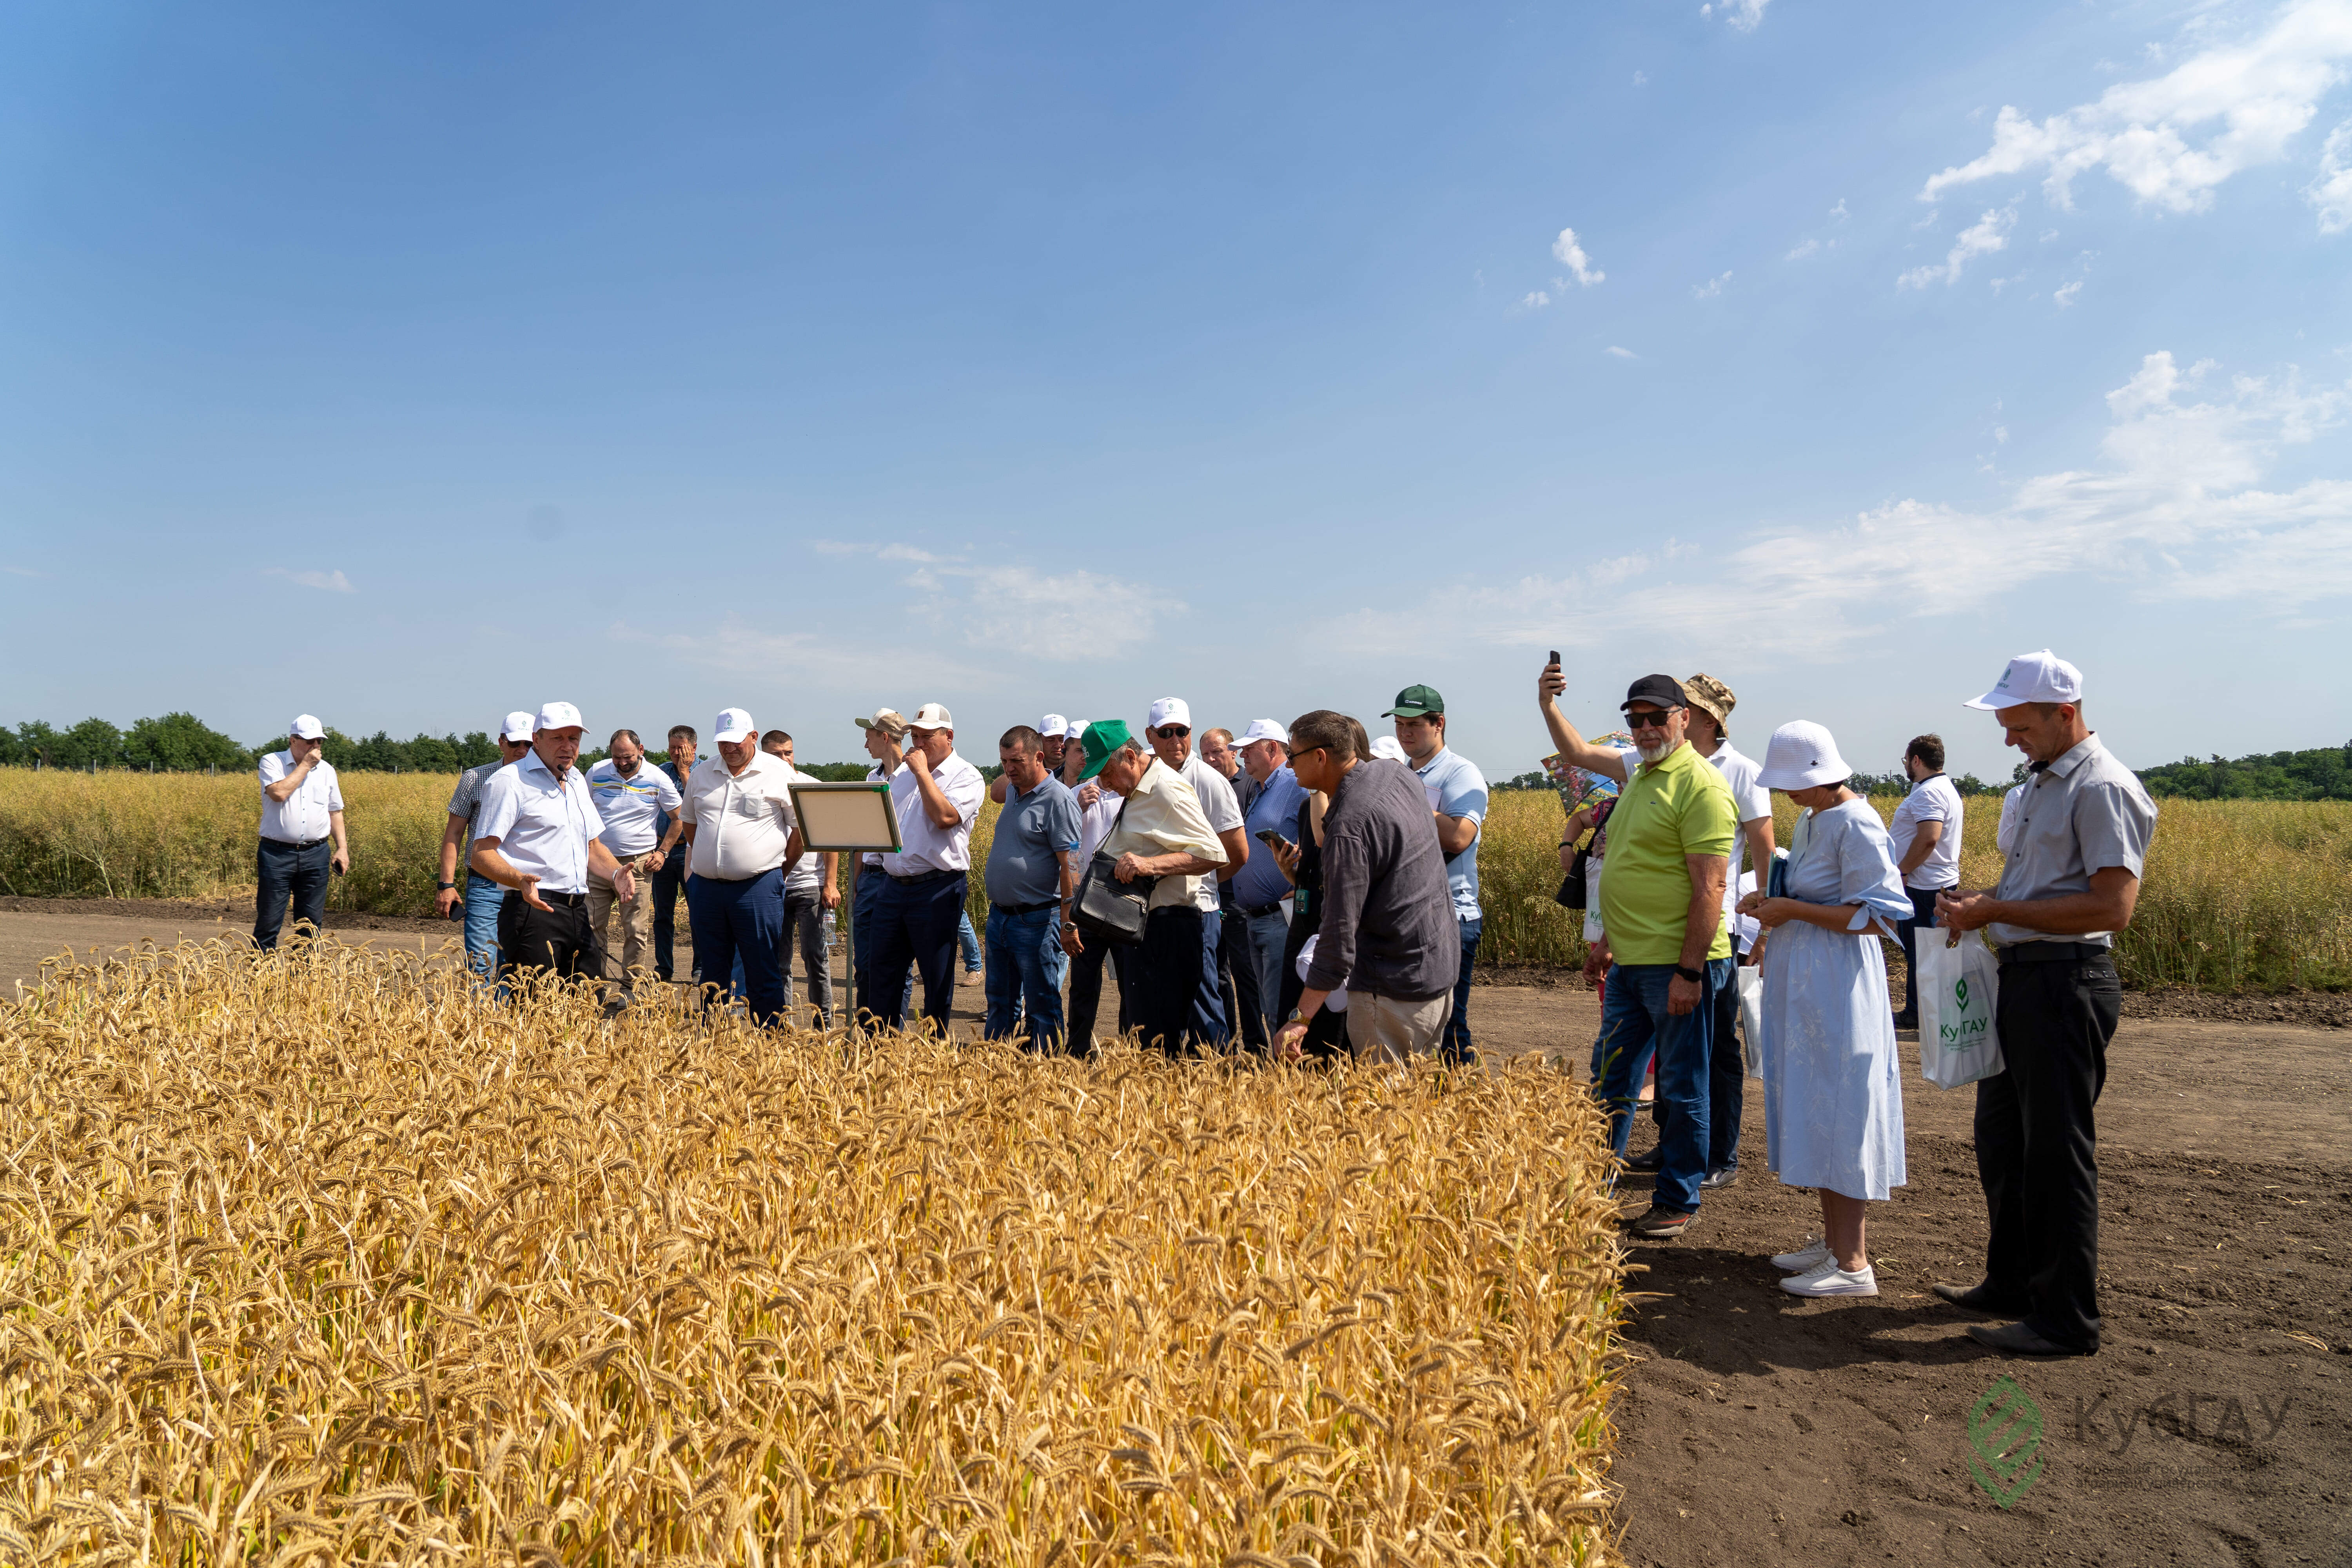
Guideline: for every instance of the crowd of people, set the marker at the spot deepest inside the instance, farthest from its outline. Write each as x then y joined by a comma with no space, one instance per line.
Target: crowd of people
1305,891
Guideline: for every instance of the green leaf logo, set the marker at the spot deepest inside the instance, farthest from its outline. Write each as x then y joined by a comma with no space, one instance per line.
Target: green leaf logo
2005,1442
1961,993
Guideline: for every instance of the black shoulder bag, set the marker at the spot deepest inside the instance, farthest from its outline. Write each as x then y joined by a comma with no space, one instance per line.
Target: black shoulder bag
1103,906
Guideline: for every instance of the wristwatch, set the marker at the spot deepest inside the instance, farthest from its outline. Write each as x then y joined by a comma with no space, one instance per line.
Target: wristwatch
445,887
1696,976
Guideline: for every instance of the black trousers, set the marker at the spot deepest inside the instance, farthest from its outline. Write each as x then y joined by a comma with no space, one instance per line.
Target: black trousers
1237,977
1085,989
668,881
1923,913
557,939
1166,977
282,871
2037,1144
1726,1087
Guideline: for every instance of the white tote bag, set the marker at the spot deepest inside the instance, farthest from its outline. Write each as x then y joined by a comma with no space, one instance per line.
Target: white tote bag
1958,987
1752,1016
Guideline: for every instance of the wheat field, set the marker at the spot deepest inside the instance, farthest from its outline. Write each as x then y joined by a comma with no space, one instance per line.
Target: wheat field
319,1257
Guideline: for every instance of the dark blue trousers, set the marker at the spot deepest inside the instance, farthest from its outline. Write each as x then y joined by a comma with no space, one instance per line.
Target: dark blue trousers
667,883
1458,1051
740,918
1207,1024
283,871
915,920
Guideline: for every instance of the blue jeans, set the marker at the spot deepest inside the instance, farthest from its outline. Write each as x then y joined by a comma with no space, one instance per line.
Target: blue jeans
1026,965
968,942
1267,935
914,921
1634,1024
1456,1050
742,919
280,871
1208,1024
483,897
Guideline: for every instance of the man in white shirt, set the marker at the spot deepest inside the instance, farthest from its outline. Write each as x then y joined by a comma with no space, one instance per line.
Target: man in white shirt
1926,835
810,895
1169,728
936,794
632,798
886,735
302,810
483,896
738,817
536,835
1098,811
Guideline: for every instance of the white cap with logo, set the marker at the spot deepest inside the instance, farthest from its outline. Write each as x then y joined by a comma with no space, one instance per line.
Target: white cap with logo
1264,730
516,727
1074,730
1053,726
734,725
2034,677
1168,710
306,726
559,716
931,716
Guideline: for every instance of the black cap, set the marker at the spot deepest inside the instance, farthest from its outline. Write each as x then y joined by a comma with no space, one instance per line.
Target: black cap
1663,690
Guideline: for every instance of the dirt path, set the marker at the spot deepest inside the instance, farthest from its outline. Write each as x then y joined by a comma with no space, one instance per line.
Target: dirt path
2216,1426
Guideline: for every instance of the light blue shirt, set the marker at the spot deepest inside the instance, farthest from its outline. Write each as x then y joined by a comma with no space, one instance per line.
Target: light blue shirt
1275,808
1460,790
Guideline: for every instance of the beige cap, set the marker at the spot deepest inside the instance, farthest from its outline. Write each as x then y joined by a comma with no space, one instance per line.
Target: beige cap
887,720
1705,692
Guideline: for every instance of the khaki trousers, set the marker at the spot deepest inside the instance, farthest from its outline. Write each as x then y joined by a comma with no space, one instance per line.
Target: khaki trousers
1392,1029
634,951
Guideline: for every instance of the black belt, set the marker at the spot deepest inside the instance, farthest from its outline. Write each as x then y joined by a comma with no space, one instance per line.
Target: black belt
995,907
922,876
1258,911
289,844
571,901
2054,951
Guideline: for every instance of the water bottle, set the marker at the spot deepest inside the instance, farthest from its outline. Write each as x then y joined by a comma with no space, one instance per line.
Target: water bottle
829,931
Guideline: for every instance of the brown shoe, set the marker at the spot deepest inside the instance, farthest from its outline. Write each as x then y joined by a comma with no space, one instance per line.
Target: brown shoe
1660,1223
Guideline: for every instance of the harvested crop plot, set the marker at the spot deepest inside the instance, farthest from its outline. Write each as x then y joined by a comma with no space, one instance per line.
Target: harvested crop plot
319,1258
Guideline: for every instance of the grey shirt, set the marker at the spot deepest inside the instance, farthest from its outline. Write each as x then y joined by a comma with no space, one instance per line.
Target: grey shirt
1388,926
468,800
2081,814
1033,832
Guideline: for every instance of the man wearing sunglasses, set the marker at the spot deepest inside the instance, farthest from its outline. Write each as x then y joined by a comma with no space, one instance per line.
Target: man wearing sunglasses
1169,728
1668,949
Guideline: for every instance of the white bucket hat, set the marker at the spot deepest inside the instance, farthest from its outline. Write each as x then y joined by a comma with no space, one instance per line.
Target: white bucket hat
1803,754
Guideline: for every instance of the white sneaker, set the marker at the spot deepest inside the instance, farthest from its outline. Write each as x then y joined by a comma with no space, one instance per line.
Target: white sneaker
1806,1258
1829,1279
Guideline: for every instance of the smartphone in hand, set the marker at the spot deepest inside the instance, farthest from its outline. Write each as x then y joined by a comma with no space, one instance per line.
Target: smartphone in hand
1555,656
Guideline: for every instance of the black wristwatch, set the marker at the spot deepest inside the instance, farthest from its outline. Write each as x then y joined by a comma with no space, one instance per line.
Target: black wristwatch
445,887
1696,976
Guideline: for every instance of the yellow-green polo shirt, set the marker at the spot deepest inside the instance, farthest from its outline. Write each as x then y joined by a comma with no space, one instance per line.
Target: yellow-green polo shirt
1676,806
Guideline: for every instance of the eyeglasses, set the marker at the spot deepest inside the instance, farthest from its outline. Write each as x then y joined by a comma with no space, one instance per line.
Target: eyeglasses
1650,721
1174,732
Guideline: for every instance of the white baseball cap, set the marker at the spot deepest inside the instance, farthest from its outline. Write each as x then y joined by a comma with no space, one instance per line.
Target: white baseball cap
733,725
1388,748
1264,730
1168,710
559,716
516,727
1074,730
1053,726
2034,677
1801,754
306,726
931,716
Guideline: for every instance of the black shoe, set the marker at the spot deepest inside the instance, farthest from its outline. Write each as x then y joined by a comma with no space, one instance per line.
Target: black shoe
1651,1161
1980,1299
1722,1178
1907,1020
2016,1339
1659,1223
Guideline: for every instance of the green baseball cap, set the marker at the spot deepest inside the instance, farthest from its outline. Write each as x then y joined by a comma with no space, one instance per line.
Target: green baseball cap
1416,702
1103,737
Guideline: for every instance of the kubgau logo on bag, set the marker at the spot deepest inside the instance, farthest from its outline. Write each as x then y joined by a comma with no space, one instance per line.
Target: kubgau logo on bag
1962,1033
1961,993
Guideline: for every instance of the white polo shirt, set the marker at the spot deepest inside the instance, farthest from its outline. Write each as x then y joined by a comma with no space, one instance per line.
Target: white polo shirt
1933,799
302,815
803,879
543,824
874,774
1219,805
743,822
1751,800
928,846
631,806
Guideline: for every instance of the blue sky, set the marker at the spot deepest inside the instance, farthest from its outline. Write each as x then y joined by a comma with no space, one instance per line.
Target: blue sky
410,364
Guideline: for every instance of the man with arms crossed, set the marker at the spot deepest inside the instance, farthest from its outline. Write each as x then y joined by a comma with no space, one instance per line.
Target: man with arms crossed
936,794
301,810
1666,950
1159,833
482,896
1032,872
631,797
535,835
2067,887
1926,833
1457,800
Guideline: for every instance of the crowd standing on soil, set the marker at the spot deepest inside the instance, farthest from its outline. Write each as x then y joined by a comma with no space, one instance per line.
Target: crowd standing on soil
1303,891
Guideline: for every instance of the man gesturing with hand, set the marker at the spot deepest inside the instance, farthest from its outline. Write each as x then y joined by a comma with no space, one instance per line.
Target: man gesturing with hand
536,836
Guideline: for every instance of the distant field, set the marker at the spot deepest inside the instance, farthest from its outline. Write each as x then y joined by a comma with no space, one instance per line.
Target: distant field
2240,894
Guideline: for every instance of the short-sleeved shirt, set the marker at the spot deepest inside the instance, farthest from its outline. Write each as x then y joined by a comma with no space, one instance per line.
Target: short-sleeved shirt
2004,834
1219,805
543,824
1932,799
302,816
662,819
807,877
1456,788
1260,880
743,822
1096,818
927,846
1670,808
2078,815
634,807
466,800
1749,800
1033,832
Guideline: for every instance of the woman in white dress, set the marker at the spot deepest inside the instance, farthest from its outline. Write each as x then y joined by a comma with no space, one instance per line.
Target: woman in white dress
1832,1081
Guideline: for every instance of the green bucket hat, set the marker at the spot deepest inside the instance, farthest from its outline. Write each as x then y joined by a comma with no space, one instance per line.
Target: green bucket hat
1103,737
1416,702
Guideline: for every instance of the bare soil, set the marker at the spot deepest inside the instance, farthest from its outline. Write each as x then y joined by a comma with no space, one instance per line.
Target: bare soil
2215,1426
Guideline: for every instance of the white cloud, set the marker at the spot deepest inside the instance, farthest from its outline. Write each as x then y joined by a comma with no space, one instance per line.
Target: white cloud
839,547
1711,287
2246,100
22,571
2331,193
1571,256
1838,212
1988,233
908,553
1073,615
329,582
1801,252
1641,78
1536,301
2174,511
1743,15
1616,352
2066,293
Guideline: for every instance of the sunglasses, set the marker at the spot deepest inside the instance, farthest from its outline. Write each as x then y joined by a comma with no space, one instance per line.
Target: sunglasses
1174,732
1649,721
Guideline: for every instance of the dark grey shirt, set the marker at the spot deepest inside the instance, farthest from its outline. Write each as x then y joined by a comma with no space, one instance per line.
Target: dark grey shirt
1388,915
2081,814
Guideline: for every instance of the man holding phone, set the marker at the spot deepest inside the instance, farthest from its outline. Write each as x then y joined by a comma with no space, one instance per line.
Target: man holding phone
1259,887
